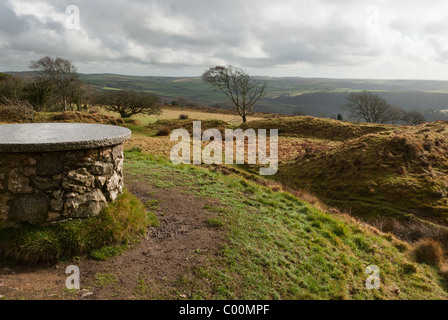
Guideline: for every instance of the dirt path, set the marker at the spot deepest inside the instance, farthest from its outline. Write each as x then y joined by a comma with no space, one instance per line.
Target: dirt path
160,266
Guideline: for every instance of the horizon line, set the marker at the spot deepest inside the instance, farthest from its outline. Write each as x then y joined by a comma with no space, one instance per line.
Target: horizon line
258,76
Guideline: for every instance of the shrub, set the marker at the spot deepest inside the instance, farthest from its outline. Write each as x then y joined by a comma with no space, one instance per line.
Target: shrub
184,117
16,111
163,132
428,251
122,223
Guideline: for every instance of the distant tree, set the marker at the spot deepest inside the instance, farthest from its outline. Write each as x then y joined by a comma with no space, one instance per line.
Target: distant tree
340,118
414,117
10,87
369,107
394,114
129,103
81,96
39,93
243,90
61,73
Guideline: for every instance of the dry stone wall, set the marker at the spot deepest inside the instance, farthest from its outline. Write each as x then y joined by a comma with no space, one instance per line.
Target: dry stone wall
44,187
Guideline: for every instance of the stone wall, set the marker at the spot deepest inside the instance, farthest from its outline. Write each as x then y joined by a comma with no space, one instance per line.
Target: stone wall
39,188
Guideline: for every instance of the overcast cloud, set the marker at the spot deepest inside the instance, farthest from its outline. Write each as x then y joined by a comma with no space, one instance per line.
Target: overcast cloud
319,38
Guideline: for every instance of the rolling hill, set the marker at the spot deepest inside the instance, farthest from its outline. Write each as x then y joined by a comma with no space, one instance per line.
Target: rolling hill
314,97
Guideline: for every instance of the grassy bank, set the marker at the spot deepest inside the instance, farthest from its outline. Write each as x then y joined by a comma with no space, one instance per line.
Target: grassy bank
279,247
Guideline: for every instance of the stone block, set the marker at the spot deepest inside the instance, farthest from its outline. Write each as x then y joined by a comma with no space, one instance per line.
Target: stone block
84,205
30,208
18,183
57,202
45,183
117,152
50,164
79,177
101,168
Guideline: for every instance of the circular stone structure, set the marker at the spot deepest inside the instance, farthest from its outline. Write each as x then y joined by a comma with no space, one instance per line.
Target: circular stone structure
56,171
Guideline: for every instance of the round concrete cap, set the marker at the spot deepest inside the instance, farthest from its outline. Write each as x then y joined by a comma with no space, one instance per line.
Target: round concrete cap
43,137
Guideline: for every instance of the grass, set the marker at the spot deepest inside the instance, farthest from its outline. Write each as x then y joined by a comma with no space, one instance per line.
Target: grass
174,114
119,225
76,117
399,173
214,223
105,279
318,128
372,171
279,247
368,170
142,289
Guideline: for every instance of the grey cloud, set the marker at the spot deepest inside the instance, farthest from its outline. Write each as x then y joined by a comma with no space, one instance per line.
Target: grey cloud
175,34
10,23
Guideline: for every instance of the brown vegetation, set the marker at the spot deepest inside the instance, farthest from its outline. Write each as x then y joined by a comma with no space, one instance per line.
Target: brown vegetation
428,251
16,112
79,117
163,132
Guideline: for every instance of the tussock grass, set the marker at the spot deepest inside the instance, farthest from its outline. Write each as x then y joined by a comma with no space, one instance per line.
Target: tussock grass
311,127
188,124
396,174
78,117
163,132
121,224
428,251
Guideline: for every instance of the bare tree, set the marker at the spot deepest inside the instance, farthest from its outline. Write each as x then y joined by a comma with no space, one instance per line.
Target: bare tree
81,96
369,107
243,90
393,114
414,118
128,103
61,72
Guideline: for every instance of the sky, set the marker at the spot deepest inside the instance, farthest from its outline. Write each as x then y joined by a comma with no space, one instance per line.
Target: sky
400,39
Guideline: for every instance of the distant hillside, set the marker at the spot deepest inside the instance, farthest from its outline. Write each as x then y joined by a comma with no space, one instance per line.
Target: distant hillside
312,96
315,97
329,104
